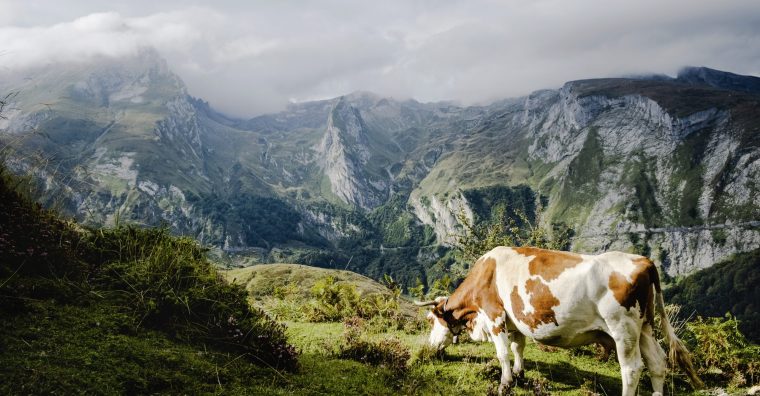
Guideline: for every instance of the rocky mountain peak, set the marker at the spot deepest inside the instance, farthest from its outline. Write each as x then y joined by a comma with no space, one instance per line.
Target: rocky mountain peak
719,79
345,151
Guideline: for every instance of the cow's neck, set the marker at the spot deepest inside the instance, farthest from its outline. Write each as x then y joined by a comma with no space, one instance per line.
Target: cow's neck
477,293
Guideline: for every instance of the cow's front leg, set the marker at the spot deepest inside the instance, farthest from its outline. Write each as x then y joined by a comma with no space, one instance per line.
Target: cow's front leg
501,341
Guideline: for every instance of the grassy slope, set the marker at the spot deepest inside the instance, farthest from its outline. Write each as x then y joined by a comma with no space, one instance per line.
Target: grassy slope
261,280
468,368
68,328
75,349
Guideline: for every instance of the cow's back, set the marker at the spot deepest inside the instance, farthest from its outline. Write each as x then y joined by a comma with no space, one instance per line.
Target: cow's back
562,298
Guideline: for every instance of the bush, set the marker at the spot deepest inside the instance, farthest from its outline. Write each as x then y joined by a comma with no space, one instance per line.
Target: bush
332,301
517,229
159,281
389,353
167,283
428,354
721,352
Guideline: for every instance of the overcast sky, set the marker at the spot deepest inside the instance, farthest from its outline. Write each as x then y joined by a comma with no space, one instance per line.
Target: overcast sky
252,57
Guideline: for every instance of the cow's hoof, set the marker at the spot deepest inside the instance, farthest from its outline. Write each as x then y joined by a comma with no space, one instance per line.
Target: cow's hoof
518,374
504,389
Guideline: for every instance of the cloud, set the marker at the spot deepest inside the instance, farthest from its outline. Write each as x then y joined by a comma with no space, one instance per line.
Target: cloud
252,58
93,35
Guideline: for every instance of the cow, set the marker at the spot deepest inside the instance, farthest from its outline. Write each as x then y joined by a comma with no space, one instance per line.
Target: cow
566,300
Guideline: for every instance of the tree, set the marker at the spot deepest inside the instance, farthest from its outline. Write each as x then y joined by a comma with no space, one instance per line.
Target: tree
478,238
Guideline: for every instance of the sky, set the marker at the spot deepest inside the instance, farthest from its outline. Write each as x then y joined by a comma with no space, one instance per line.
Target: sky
253,57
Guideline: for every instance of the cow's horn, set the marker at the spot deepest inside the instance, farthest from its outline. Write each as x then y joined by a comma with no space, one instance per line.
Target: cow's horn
424,303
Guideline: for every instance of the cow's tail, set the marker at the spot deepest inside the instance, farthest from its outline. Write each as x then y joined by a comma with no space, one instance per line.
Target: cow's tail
677,353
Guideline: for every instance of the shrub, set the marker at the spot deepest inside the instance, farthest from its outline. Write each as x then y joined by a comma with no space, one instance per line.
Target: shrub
168,284
159,281
478,238
721,352
282,302
389,353
428,354
417,324
332,301
441,287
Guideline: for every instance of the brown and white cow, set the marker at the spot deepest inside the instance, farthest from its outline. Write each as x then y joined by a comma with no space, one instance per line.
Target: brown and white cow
566,300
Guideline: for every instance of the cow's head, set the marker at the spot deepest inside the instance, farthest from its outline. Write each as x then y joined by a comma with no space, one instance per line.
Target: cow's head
444,324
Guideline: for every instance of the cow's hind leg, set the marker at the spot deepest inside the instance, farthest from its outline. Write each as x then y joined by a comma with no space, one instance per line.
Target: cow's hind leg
626,336
517,344
501,341
654,358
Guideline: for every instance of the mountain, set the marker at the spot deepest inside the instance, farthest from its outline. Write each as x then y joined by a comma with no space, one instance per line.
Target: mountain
663,166
719,79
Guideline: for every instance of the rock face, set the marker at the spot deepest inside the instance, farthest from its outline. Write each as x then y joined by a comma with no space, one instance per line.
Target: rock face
631,168
668,167
345,153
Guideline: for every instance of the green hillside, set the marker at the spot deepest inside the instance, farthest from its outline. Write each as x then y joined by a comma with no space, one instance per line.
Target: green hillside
121,310
263,279
727,287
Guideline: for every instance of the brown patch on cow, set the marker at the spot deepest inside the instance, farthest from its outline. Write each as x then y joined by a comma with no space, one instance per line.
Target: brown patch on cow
477,292
497,329
541,299
549,264
639,290
436,316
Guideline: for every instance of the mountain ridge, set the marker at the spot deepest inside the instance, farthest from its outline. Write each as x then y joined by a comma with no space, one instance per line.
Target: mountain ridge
322,182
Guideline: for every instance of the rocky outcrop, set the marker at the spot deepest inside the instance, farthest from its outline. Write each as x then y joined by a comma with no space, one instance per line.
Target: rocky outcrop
442,215
345,153
629,174
180,128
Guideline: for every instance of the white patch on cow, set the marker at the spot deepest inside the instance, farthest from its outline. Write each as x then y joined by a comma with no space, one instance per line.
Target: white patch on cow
511,267
440,336
622,262
479,330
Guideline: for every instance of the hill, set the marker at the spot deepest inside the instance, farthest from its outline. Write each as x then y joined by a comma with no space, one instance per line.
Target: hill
120,310
129,310
262,279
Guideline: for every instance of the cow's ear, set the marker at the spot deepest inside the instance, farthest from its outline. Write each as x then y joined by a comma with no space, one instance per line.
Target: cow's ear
440,305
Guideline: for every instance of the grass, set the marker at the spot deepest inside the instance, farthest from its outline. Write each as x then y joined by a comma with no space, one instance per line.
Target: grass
467,368
122,310
70,349
263,279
